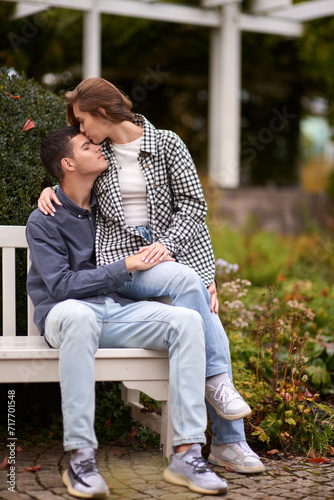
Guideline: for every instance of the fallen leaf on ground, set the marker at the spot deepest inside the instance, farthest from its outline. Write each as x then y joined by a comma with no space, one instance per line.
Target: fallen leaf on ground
272,452
319,460
4,463
32,469
312,454
117,453
18,450
330,450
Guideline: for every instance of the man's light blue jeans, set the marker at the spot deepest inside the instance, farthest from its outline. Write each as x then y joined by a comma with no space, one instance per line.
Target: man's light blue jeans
186,289
78,328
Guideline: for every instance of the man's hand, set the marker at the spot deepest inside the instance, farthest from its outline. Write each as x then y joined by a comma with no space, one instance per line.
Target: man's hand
135,263
154,252
214,304
45,201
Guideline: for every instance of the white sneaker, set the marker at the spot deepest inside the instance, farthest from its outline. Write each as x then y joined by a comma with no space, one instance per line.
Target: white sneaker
193,471
82,478
238,457
226,400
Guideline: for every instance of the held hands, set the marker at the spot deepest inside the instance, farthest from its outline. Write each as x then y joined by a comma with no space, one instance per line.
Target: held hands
155,253
214,305
45,201
136,263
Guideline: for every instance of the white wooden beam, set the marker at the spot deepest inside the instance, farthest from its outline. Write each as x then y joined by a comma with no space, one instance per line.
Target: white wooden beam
64,4
268,5
161,11
267,24
217,3
27,9
306,11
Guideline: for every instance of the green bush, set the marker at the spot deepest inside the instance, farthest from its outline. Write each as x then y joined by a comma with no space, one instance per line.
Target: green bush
22,174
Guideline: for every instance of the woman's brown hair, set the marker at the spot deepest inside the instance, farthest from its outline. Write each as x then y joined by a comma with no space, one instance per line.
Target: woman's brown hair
93,94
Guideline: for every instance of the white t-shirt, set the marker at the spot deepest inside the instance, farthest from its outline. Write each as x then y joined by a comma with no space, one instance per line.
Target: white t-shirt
132,183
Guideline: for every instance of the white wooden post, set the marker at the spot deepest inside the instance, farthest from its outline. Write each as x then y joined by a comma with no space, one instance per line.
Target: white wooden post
214,105
225,100
92,43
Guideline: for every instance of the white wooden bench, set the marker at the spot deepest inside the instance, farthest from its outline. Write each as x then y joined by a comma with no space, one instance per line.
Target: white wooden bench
25,357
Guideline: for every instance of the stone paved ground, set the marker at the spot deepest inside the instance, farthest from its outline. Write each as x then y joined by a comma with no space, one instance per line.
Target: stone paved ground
137,475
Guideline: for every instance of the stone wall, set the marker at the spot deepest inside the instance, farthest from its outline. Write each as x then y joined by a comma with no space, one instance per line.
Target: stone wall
282,210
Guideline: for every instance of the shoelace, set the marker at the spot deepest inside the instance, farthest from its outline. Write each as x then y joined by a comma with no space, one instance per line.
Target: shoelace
86,467
221,392
200,465
246,450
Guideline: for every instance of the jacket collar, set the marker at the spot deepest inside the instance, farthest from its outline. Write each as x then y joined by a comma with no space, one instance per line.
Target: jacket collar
73,207
149,141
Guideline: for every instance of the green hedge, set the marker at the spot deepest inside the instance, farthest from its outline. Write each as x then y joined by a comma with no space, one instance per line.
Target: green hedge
22,174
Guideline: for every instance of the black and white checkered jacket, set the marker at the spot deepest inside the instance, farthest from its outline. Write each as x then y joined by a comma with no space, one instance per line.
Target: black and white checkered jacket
175,203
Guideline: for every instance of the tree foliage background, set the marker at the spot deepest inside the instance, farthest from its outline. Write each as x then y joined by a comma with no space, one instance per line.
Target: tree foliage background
163,67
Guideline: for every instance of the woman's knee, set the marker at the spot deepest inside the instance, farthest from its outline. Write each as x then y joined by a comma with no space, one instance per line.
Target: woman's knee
189,323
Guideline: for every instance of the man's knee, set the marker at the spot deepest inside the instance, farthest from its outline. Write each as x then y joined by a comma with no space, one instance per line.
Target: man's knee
76,318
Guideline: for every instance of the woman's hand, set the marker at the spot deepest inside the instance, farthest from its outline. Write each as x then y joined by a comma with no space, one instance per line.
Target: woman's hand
46,198
214,304
154,252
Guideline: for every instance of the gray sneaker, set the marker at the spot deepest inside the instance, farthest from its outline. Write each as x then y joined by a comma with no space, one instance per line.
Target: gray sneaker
226,400
192,471
238,457
85,481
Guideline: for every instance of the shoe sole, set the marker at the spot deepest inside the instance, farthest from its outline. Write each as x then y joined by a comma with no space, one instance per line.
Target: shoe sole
233,417
79,494
181,480
235,468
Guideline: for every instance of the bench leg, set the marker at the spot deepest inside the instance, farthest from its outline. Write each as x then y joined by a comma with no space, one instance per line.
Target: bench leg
160,424
167,432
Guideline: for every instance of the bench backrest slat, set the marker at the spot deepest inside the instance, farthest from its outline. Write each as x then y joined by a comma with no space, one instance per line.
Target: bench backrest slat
12,237
8,291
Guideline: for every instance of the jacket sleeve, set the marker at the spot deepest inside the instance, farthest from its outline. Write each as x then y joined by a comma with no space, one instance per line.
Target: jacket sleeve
189,208
50,258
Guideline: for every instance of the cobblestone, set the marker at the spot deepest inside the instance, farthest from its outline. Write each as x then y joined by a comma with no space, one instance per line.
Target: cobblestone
137,475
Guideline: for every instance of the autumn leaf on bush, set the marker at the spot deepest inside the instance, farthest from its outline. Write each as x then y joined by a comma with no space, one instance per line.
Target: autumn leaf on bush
30,124
13,96
108,422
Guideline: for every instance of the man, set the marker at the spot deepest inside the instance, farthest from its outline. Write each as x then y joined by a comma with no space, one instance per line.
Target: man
78,310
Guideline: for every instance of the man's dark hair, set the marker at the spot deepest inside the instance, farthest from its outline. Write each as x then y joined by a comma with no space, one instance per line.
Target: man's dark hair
55,147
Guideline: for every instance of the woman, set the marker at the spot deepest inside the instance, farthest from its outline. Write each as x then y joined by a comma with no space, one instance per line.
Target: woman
151,201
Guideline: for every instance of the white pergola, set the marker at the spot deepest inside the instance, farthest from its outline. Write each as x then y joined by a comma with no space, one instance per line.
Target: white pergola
226,21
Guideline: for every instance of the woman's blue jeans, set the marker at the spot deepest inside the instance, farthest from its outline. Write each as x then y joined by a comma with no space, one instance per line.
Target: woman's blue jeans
186,289
78,328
